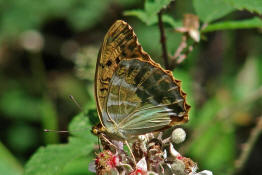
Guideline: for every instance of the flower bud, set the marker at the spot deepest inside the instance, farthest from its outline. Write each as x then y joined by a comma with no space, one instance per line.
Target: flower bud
178,135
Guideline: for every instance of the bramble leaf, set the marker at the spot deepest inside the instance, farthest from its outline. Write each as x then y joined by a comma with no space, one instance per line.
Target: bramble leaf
232,25
250,5
149,14
52,159
210,10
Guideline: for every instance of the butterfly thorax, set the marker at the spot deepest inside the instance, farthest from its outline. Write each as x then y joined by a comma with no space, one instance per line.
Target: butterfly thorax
111,133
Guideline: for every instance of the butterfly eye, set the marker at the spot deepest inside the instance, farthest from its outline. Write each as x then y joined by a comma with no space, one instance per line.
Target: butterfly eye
95,131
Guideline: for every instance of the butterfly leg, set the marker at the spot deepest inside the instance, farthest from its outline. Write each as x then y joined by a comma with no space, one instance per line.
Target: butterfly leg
131,152
108,141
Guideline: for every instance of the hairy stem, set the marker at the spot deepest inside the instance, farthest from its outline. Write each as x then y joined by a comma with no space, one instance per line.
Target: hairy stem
163,40
248,146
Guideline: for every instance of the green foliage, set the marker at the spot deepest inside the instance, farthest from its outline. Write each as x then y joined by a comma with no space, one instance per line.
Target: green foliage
215,148
8,163
19,16
232,25
250,5
25,132
86,14
150,12
52,159
210,10
19,104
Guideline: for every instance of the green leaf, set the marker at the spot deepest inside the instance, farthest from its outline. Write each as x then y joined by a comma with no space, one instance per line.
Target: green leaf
127,3
8,163
79,166
154,6
149,14
210,10
142,15
80,127
170,20
231,25
250,5
52,159
151,20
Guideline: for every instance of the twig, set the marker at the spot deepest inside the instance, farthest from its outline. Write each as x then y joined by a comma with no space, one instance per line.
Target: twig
163,40
182,52
178,54
247,147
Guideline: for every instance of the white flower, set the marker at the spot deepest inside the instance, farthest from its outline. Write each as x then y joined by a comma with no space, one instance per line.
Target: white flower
142,164
205,172
172,150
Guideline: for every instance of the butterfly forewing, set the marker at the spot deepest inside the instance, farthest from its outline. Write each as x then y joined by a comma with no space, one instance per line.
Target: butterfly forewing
119,43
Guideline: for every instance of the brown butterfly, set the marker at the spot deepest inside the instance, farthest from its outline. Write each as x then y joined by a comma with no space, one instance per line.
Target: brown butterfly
134,95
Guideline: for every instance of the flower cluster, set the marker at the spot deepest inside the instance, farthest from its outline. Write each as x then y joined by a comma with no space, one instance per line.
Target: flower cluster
153,156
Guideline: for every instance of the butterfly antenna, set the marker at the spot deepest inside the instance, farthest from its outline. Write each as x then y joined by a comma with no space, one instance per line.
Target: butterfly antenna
51,130
57,131
75,102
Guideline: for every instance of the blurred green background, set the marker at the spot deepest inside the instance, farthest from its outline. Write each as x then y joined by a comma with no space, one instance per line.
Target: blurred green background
48,51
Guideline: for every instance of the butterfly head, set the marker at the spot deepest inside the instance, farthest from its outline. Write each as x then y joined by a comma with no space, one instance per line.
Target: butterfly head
98,129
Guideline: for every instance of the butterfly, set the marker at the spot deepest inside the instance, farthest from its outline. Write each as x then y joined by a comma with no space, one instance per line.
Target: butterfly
134,95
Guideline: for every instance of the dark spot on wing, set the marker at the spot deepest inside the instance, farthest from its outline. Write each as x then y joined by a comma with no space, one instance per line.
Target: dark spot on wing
102,65
124,54
105,81
134,55
103,89
122,46
109,63
117,60
131,46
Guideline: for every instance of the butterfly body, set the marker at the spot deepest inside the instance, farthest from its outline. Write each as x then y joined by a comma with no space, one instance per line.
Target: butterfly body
134,94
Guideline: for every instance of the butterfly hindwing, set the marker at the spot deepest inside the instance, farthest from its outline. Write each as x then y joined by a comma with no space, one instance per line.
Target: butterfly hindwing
143,98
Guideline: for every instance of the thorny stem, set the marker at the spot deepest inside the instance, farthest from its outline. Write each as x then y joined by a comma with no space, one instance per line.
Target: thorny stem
163,40
247,147
182,52
181,47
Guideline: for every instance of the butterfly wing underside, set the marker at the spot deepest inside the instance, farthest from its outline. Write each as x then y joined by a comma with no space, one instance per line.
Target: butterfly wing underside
133,93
